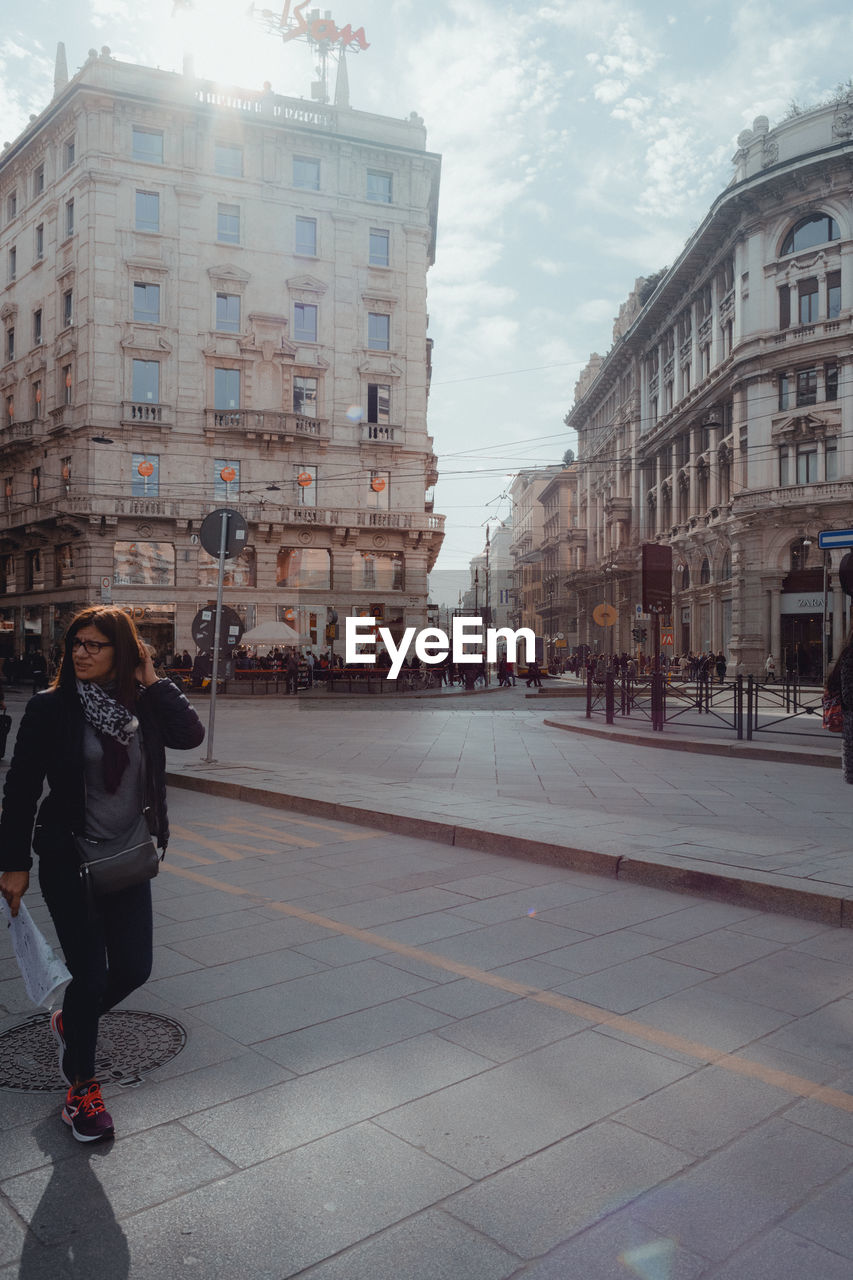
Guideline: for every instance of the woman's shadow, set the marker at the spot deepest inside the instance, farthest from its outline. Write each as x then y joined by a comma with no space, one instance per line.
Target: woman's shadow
73,1230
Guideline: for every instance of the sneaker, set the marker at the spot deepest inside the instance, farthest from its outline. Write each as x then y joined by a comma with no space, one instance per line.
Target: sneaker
58,1032
85,1112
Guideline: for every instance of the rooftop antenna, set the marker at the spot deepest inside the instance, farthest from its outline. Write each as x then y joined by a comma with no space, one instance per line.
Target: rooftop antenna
323,35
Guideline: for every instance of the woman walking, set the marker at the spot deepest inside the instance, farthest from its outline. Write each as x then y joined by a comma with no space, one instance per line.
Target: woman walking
98,736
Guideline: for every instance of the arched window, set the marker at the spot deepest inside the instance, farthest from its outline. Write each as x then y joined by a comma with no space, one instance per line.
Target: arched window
726,567
705,572
685,577
799,554
817,228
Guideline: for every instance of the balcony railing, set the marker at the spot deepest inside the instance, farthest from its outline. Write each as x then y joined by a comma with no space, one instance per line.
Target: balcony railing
271,422
379,433
15,432
183,509
794,494
146,411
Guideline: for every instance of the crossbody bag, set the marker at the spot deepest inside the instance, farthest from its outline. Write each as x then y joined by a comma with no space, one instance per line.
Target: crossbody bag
119,862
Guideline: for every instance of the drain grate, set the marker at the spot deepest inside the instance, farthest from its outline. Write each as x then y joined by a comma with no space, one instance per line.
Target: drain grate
130,1044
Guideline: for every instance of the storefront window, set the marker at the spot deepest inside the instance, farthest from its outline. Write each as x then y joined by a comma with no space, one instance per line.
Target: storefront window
307,567
382,570
144,564
238,573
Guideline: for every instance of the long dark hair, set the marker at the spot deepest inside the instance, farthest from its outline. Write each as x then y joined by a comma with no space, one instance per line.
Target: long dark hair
117,626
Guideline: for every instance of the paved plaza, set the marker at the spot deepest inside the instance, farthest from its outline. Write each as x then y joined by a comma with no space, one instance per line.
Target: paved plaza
413,1056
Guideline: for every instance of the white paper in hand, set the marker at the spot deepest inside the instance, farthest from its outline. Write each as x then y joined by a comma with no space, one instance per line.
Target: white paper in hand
45,975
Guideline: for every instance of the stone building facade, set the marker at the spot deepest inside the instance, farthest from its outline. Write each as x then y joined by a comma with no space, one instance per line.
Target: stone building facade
721,420
213,298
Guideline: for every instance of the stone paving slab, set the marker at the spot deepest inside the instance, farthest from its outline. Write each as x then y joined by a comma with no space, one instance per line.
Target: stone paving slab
434,1111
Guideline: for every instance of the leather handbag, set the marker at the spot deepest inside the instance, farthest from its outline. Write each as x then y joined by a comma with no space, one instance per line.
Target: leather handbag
107,866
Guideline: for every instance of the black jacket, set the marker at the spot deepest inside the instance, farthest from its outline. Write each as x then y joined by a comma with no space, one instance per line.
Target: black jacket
49,746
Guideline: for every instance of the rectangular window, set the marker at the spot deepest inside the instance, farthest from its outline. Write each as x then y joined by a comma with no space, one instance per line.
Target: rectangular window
68,153
12,269
226,481
831,460
378,331
379,491
39,242
69,217
37,399
146,303
145,475
784,306
226,389
379,403
228,223
379,241
147,145
378,186
305,485
10,344
833,295
10,409
228,312
64,563
306,173
830,381
305,397
306,237
11,205
807,291
305,322
145,386
147,211
806,464
228,160
67,308
806,387
67,384
37,332
144,564
38,180
784,391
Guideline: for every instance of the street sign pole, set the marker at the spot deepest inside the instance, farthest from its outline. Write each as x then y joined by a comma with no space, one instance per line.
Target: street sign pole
220,581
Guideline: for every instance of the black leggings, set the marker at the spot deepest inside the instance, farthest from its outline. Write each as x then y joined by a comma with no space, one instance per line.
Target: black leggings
108,953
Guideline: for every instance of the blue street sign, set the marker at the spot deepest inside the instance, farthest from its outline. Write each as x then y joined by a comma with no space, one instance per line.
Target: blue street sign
835,538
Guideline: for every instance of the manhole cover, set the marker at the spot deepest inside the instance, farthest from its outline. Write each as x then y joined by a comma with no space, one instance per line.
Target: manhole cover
130,1044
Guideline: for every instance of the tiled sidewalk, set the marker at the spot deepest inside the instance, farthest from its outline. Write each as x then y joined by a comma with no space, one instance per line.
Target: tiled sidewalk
493,774
410,1061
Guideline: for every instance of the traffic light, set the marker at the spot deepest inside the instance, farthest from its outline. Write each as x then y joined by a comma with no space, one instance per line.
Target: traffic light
639,634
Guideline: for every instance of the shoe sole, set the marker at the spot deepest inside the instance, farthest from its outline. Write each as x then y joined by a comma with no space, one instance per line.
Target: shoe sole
61,1043
86,1137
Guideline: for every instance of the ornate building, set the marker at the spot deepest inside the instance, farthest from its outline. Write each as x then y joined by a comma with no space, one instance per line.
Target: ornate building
721,420
213,297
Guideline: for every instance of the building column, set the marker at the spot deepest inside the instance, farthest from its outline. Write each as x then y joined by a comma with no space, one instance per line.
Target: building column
715,435
775,616
693,494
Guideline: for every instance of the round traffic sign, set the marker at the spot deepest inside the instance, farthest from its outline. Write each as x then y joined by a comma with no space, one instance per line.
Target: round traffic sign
236,532
604,615
204,629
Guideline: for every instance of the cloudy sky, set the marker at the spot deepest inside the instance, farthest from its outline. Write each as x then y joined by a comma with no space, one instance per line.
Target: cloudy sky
581,142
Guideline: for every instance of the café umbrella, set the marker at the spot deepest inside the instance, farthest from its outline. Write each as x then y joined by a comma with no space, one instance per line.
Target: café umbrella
271,633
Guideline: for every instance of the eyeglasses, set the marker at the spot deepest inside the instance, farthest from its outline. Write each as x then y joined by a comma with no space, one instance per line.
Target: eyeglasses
92,647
